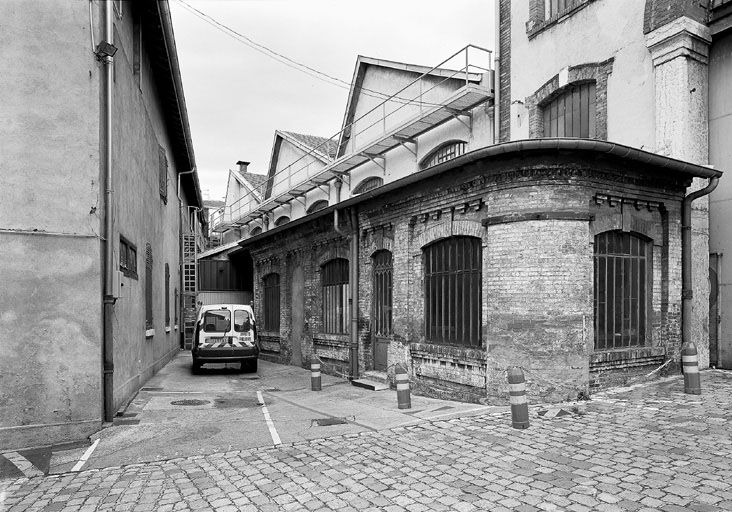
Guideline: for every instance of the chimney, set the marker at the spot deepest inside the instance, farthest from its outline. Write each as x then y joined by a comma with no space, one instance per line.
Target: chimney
242,166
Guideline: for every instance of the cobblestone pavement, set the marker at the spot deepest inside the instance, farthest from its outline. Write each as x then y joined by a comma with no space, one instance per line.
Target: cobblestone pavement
648,448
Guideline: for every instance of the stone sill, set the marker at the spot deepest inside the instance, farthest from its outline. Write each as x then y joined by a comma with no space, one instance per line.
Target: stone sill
534,28
471,356
331,340
149,333
627,357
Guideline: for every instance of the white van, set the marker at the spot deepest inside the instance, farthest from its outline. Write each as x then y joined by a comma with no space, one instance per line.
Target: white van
226,333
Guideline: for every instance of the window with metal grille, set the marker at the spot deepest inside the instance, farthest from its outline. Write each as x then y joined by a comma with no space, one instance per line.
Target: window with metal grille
127,258
368,184
446,152
271,284
282,220
167,295
163,174
317,205
256,231
382,298
572,113
148,287
452,299
622,289
335,296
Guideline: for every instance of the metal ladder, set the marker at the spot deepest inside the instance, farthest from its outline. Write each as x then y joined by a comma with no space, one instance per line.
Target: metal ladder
189,273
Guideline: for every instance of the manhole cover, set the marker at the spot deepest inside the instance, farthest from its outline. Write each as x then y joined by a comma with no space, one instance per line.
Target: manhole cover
326,422
189,402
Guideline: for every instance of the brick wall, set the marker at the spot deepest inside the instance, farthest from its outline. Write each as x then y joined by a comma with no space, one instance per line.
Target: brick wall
536,219
661,12
504,72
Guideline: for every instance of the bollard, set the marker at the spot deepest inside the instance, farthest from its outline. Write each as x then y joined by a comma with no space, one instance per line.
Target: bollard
690,366
517,397
402,384
315,374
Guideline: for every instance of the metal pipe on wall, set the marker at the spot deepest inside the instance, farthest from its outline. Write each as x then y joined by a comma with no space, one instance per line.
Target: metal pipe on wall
686,277
109,299
353,281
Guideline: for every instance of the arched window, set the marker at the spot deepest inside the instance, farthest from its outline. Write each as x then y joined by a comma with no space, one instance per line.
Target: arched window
317,205
255,231
623,271
368,184
445,152
452,297
572,113
282,220
335,296
271,302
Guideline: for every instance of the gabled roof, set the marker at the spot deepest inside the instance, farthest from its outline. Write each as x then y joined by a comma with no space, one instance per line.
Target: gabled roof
319,147
415,70
250,181
255,179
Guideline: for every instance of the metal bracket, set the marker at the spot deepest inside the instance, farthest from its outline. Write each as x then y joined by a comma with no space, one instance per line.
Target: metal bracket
407,140
373,159
458,113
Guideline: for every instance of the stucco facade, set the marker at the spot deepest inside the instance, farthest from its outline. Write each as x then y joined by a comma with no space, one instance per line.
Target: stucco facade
52,211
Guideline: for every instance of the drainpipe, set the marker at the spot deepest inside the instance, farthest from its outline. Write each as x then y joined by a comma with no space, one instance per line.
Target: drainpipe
108,314
496,75
353,280
686,288
336,226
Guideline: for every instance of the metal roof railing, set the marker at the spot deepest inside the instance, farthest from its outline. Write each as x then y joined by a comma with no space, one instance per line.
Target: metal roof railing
415,108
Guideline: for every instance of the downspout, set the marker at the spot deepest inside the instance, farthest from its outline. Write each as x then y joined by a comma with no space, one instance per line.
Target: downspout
686,287
496,73
352,278
109,299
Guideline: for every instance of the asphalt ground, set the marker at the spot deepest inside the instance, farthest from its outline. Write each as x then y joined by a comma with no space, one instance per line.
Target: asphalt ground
646,448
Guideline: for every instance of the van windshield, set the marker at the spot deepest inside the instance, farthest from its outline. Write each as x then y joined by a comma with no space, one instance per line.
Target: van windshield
216,320
242,320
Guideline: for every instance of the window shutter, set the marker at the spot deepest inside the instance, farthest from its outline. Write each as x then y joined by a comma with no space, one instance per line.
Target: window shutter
167,295
163,174
148,287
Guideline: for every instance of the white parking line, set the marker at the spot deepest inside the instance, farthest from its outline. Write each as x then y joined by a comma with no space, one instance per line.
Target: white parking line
23,464
270,424
85,457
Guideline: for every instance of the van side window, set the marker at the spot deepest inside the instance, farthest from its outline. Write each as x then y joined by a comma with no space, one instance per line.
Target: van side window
217,320
242,321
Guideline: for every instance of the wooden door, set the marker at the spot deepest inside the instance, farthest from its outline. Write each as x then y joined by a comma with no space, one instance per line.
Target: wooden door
382,308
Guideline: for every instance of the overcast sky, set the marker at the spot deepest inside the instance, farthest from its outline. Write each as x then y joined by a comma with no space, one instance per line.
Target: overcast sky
237,97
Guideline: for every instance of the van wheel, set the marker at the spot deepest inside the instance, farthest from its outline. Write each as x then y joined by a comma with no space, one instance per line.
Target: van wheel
249,365
196,366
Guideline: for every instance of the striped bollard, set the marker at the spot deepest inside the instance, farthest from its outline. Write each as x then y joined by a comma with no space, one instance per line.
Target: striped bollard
517,397
690,365
315,374
402,384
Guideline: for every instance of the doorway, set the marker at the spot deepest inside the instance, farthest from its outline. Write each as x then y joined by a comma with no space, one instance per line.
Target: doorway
298,315
382,308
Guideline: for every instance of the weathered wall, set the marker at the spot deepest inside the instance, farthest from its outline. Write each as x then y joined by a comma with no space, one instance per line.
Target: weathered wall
50,214
595,33
142,217
720,202
537,280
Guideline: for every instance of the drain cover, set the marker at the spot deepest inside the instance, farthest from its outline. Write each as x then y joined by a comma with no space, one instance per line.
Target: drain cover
189,402
326,422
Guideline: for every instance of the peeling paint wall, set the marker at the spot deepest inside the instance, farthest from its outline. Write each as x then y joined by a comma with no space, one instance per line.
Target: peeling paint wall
50,220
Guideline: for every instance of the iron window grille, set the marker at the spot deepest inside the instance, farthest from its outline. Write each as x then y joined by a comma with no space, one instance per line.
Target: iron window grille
623,272
335,296
163,174
256,231
318,205
127,258
281,220
368,184
447,151
148,287
452,300
271,284
572,113
382,305
167,295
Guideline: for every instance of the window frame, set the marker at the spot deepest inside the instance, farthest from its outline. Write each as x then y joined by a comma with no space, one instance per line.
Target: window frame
445,152
368,184
453,273
335,291
644,297
125,249
576,106
320,204
271,296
